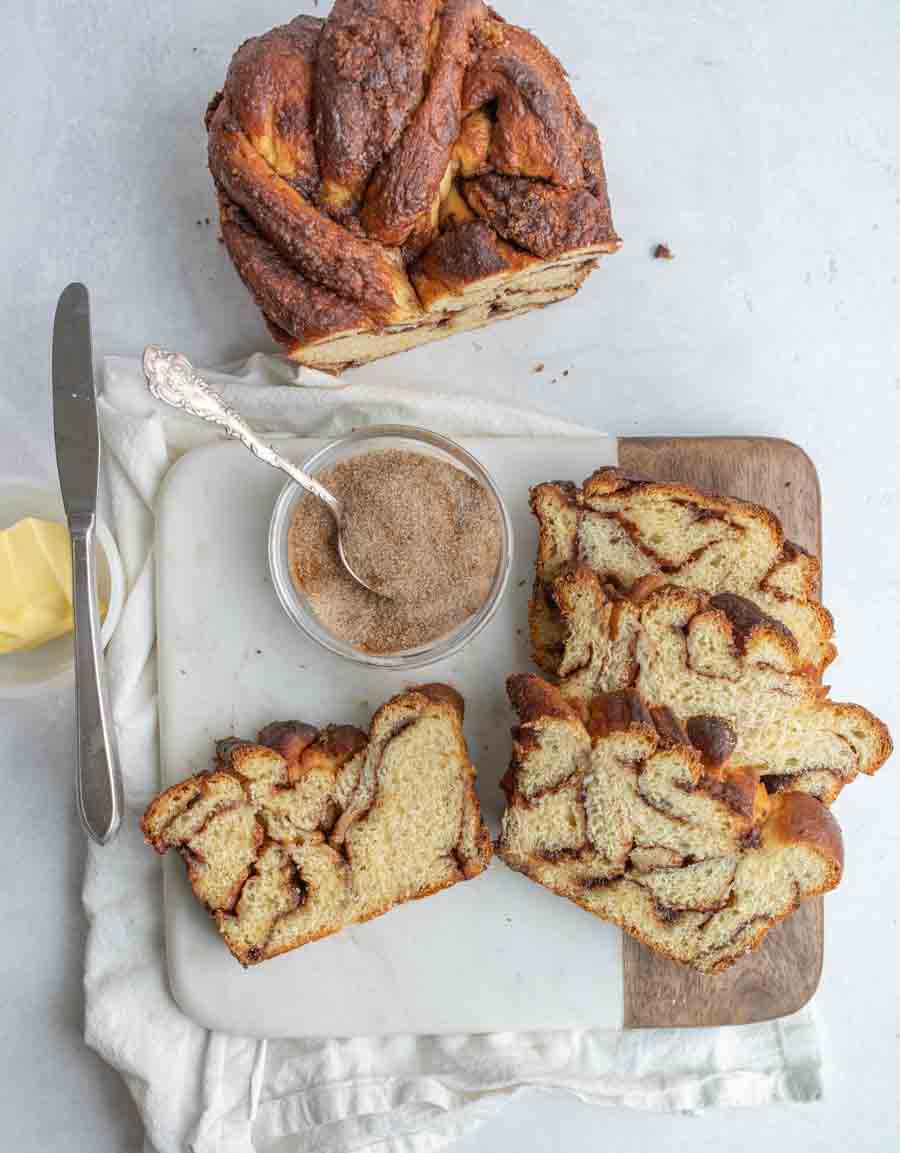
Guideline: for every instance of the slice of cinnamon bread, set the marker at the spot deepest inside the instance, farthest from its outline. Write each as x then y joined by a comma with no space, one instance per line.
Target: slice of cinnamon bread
679,845
627,530
721,656
303,832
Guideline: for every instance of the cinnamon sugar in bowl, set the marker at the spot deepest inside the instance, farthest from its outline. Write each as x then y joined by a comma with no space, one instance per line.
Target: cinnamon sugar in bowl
452,544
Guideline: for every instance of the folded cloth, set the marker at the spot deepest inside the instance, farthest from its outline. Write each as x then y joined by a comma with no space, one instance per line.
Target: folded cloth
210,1093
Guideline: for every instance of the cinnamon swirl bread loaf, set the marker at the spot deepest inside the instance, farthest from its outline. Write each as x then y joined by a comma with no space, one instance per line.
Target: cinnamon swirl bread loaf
303,832
400,171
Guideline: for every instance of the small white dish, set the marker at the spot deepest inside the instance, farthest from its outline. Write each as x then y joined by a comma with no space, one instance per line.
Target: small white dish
26,674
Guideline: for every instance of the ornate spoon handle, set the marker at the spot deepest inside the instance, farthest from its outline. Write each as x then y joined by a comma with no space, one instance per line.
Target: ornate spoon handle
172,379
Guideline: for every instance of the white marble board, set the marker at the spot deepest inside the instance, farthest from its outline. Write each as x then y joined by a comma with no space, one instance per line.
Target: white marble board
495,953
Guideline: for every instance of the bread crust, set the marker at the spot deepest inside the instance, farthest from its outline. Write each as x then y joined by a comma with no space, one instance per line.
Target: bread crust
369,80
543,220
352,156
403,199
533,698
324,253
270,95
797,818
462,256
301,309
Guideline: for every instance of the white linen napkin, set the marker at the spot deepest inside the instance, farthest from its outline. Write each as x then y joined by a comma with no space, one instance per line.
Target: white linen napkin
205,1092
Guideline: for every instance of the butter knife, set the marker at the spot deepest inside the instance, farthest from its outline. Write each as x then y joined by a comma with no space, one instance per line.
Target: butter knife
77,436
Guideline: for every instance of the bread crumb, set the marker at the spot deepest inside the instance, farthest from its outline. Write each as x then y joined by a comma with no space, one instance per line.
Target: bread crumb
663,252
539,367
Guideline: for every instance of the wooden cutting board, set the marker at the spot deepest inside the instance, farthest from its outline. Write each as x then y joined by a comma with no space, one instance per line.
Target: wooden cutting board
782,975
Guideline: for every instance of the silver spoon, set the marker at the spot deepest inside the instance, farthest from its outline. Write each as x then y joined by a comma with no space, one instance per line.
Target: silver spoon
172,379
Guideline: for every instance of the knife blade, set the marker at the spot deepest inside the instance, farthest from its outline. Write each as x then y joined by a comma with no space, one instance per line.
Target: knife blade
76,433
74,402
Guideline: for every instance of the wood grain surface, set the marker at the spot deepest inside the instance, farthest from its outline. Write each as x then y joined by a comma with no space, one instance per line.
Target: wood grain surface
781,976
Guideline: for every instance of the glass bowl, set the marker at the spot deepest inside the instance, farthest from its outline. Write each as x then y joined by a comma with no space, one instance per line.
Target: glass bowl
373,439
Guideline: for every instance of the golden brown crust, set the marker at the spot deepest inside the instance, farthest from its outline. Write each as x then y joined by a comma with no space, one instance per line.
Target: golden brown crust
403,197
290,739
797,818
537,131
185,792
297,306
369,81
669,729
463,256
443,694
618,712
544,220
737,787
341,742
556,552
321,250
713,737
473,863
344,149
329,749
533,698
270,91
553,495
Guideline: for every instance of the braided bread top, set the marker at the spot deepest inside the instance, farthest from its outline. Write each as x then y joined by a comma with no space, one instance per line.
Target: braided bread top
341,148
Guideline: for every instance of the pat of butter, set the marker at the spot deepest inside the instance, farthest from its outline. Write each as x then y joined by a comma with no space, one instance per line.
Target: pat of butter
35,584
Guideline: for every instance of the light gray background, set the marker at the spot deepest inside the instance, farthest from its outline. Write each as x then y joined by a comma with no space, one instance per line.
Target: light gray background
759,140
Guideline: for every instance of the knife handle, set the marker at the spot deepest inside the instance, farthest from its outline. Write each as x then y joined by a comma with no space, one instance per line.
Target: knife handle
98,775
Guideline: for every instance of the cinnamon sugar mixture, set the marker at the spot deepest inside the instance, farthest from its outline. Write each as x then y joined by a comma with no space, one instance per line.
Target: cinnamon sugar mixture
418,529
